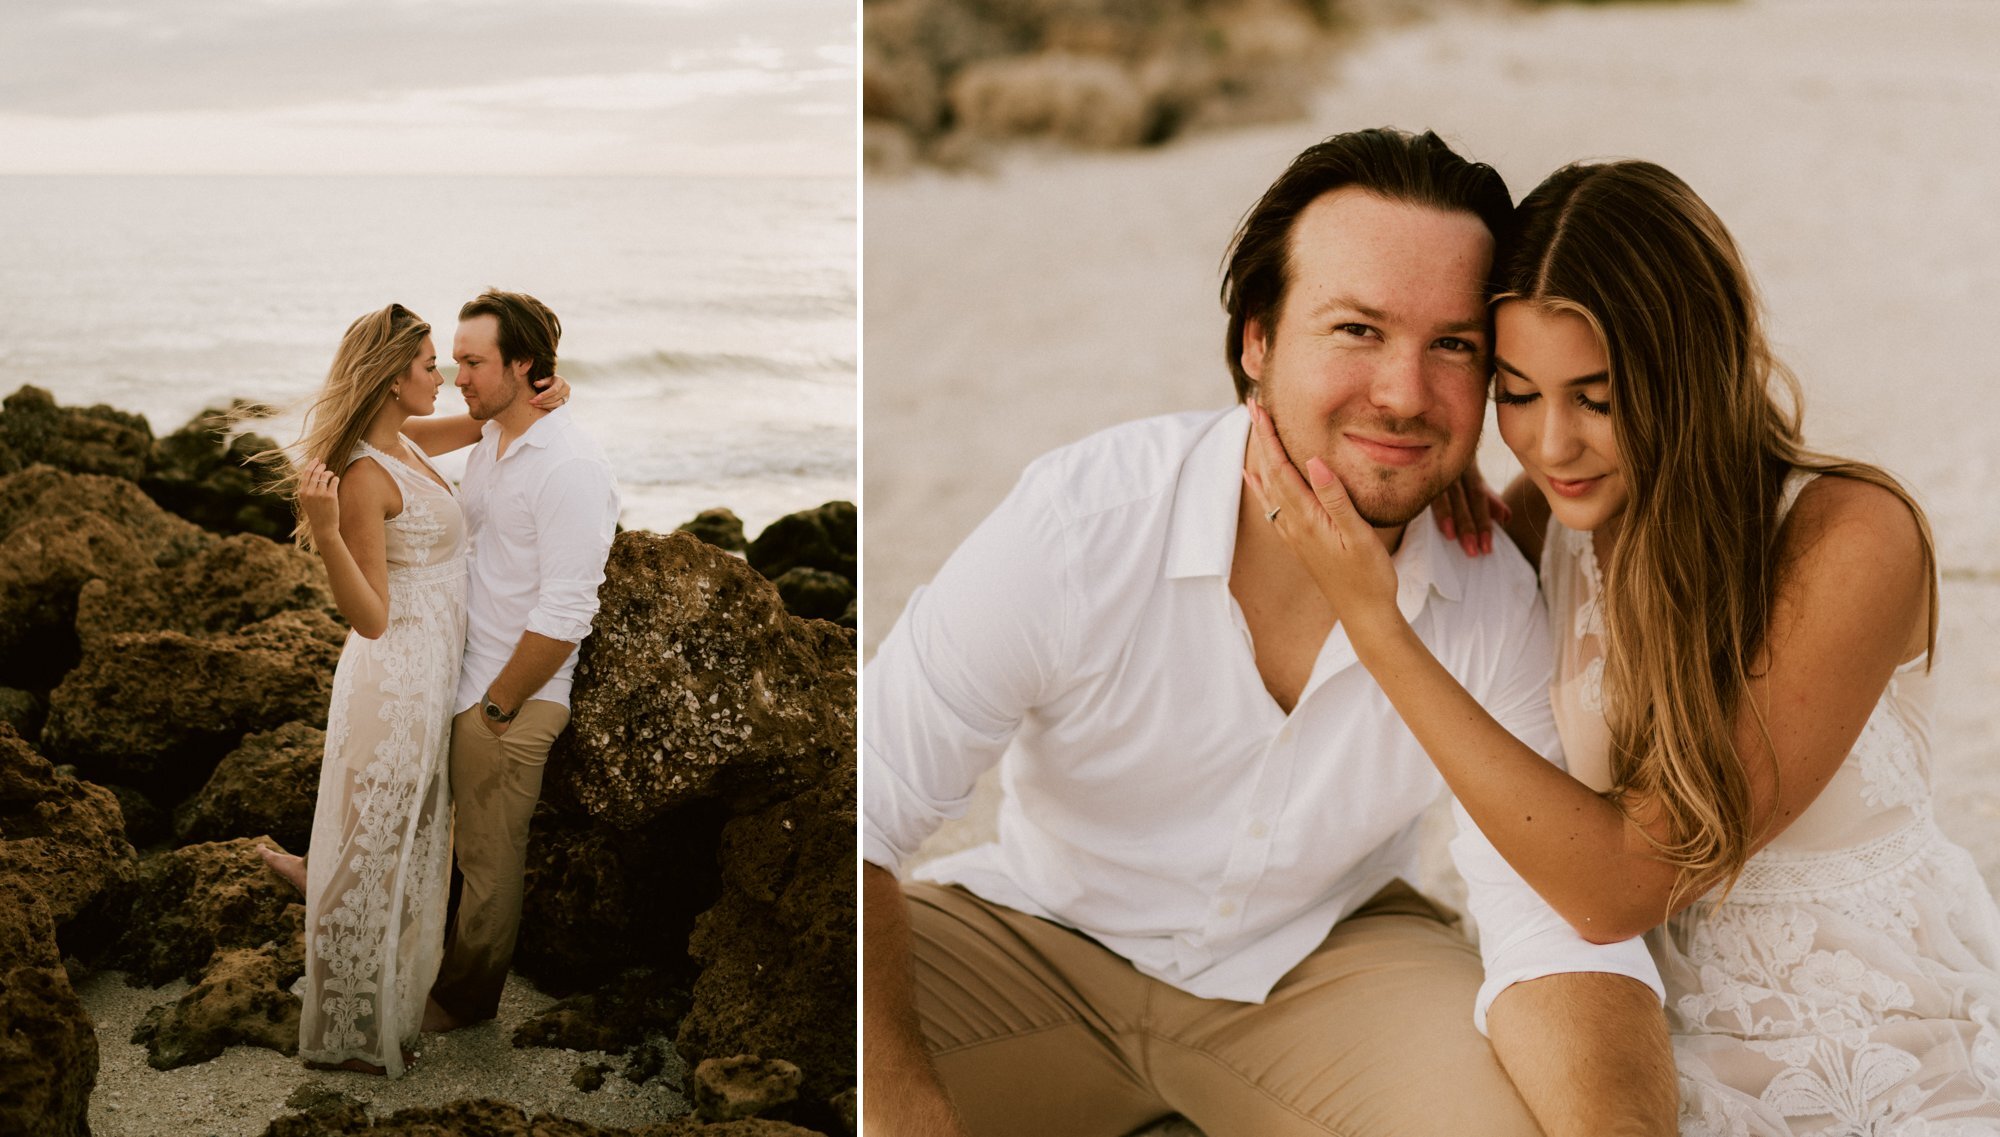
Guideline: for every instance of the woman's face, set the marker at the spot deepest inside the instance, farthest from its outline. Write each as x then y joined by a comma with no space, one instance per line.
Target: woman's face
418,390
1552,387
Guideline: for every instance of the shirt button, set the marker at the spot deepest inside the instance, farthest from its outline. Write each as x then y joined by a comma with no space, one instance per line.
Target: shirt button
1259,830
1227,908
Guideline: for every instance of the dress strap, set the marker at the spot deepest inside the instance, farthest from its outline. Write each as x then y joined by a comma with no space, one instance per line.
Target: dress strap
1795,481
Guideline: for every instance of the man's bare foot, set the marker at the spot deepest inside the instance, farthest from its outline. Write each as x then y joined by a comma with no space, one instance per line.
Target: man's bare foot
359,1067
437,1019
285,865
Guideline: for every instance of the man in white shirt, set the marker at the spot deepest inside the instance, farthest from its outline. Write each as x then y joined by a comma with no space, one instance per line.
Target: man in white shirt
541,507
1195,902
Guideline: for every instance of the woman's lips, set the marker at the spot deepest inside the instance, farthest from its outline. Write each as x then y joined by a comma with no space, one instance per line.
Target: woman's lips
1576,488
1391,451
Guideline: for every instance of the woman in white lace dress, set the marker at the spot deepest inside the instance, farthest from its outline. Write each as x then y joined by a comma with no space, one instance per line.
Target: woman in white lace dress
1744,632
389,529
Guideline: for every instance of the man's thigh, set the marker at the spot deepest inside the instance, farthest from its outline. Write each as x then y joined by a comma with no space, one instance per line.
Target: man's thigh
1369,1036
1028,1022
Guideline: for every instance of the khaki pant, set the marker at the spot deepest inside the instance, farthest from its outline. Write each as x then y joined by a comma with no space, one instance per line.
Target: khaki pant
495,782
1041,1031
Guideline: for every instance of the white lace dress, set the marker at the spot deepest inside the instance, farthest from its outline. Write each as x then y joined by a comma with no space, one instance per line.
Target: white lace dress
378,868
1850,984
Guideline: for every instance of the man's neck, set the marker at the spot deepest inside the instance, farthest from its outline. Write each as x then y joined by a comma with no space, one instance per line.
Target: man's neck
1288,618
515,421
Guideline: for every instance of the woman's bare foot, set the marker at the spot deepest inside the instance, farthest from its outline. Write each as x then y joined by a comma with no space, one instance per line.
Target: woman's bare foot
436,1018
285,865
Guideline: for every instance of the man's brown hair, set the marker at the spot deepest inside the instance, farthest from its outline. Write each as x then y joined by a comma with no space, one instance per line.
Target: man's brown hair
528,330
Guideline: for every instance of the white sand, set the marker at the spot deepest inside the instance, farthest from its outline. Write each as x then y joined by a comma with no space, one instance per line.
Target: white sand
1849,146
240,1093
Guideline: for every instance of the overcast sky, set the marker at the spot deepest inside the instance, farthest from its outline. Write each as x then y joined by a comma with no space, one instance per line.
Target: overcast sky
428,86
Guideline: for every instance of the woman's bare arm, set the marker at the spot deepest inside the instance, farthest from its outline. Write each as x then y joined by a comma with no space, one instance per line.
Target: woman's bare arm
347,515
1826,661
441,434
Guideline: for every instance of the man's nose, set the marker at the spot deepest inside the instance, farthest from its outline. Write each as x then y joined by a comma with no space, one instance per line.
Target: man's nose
1400,386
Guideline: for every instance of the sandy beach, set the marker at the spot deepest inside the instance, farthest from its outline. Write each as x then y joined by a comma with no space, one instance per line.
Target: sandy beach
243,1091
1847,145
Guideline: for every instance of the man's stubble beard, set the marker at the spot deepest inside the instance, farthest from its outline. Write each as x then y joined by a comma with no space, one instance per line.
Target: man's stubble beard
485,411
1369,504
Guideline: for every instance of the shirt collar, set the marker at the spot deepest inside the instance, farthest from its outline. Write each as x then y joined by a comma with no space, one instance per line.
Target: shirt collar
539,433
1201,534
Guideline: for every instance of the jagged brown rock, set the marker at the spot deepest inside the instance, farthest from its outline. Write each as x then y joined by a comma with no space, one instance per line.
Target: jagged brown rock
208,477
22,711
599,901
223,588
162,708
742,1085
614,1018
48,1044
719,527
190,903
819,538
59,532
778,948
815,594
265,786
241,1000
83,440
696,683
61,837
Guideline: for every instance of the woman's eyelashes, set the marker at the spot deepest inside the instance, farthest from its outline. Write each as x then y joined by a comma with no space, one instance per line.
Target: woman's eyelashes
1504,397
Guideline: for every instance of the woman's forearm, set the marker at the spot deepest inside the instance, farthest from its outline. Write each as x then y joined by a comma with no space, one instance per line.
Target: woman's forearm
1581,852
365,609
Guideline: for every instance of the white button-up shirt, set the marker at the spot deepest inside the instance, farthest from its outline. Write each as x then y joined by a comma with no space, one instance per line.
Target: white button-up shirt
1155,797
540,520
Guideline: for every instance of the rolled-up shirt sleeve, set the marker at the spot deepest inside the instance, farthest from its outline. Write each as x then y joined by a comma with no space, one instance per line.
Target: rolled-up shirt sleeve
1520,936
970,655
576,515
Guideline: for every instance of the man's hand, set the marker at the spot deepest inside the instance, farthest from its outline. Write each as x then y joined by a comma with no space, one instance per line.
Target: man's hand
905,1098
498,726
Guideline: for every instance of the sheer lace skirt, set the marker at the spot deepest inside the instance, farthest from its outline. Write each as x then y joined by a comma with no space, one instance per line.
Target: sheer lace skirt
1855,994
381,842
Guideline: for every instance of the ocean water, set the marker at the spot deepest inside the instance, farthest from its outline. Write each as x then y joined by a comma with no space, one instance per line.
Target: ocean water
708,324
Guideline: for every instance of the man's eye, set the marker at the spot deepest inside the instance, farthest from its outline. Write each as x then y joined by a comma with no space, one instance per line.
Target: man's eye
1355,329
1453,343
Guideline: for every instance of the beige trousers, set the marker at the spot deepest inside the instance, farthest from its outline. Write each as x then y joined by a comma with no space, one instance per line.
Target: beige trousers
495,782
1039,1030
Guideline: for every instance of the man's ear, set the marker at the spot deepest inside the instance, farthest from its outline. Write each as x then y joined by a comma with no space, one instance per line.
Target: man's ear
520,368
1253,348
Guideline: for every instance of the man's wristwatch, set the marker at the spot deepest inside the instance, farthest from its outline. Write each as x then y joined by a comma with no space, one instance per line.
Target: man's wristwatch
492,710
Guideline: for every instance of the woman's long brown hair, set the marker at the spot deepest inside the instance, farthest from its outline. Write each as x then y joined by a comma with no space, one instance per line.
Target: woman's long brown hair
1704,447
376,350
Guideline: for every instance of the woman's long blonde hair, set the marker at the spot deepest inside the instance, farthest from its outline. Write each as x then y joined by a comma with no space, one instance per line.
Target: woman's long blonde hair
1704,447
377,350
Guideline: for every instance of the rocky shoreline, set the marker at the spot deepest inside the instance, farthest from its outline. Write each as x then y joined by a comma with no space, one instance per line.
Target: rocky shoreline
164,671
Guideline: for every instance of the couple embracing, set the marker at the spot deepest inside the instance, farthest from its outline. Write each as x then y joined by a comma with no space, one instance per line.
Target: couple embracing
1225,661
467,605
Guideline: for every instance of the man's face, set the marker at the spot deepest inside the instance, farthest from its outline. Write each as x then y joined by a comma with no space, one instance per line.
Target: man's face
489,386
1378,363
